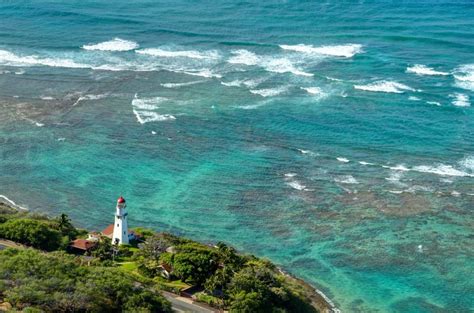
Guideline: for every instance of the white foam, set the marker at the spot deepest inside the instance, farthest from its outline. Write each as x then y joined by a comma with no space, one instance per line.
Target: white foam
11,59
207,73
144,109
46,98
296,185
290,174
413,98
333,79
89,97
39,124
460,99
244,57
434,103
269,63
365,163
308,152
269,92
343,160
283,65
147,103
20,72
153,132
12,202
346,51
177,85
115,44
442,170
346,179
399,167
385,86
464,76
61,139
313,90
192,54
420,69
250,83
468,163
150,116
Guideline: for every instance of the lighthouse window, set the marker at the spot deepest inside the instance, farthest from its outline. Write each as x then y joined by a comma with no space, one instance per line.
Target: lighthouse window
117,225
124,232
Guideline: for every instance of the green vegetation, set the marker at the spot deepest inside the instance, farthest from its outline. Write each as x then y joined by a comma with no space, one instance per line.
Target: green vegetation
128,278
56,282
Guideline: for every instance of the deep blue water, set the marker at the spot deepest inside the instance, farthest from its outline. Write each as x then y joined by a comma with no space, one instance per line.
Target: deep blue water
335,138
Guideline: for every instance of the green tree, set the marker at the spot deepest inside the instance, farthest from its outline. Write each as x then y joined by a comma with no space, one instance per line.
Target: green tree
194,262
251,302
36,233
65,226
103,249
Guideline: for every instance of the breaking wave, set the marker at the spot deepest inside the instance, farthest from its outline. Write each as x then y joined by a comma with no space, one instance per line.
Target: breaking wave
460,99
464,77
385,86
420,69
115,44
192,54
345,51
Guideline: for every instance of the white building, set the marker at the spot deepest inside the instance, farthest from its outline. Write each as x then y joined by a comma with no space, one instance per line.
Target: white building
120,234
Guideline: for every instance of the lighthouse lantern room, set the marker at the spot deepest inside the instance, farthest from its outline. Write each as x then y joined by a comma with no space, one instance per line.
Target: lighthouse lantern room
120,234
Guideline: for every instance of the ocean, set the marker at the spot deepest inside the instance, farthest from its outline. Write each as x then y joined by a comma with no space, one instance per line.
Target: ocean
335,138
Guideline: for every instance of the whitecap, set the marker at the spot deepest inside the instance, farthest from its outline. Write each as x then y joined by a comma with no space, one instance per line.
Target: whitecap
269,63
47,98
346,179
399,167
147,103
420,69
413,98
115,44
39,124
150,116
308,152
177,85
464,76
269,92
346,51
283,65
11,59
12,203
468,163
296,185
244,57
250,83
90,97
434,103
313,90
343,160
207,73
460,99
192,54
384,86
290,174
442,170
365,163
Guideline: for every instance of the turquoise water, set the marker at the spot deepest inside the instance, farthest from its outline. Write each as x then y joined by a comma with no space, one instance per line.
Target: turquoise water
336,139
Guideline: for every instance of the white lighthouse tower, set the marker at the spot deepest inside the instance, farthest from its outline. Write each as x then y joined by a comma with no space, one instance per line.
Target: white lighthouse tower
120,235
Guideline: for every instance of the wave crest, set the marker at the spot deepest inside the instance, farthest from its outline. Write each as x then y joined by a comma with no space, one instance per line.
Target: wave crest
345,51
384,86
115,44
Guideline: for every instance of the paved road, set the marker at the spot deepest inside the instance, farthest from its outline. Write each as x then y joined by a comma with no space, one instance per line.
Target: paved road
182,305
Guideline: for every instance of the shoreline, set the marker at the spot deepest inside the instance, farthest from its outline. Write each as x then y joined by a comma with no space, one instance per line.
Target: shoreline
318,299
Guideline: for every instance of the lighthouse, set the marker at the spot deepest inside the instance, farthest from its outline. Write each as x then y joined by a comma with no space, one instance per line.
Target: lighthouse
120,234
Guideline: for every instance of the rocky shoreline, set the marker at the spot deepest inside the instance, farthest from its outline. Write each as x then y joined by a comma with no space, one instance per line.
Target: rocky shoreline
318,299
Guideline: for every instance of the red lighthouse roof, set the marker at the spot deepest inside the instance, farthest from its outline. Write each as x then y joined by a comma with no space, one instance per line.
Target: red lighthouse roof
121,200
